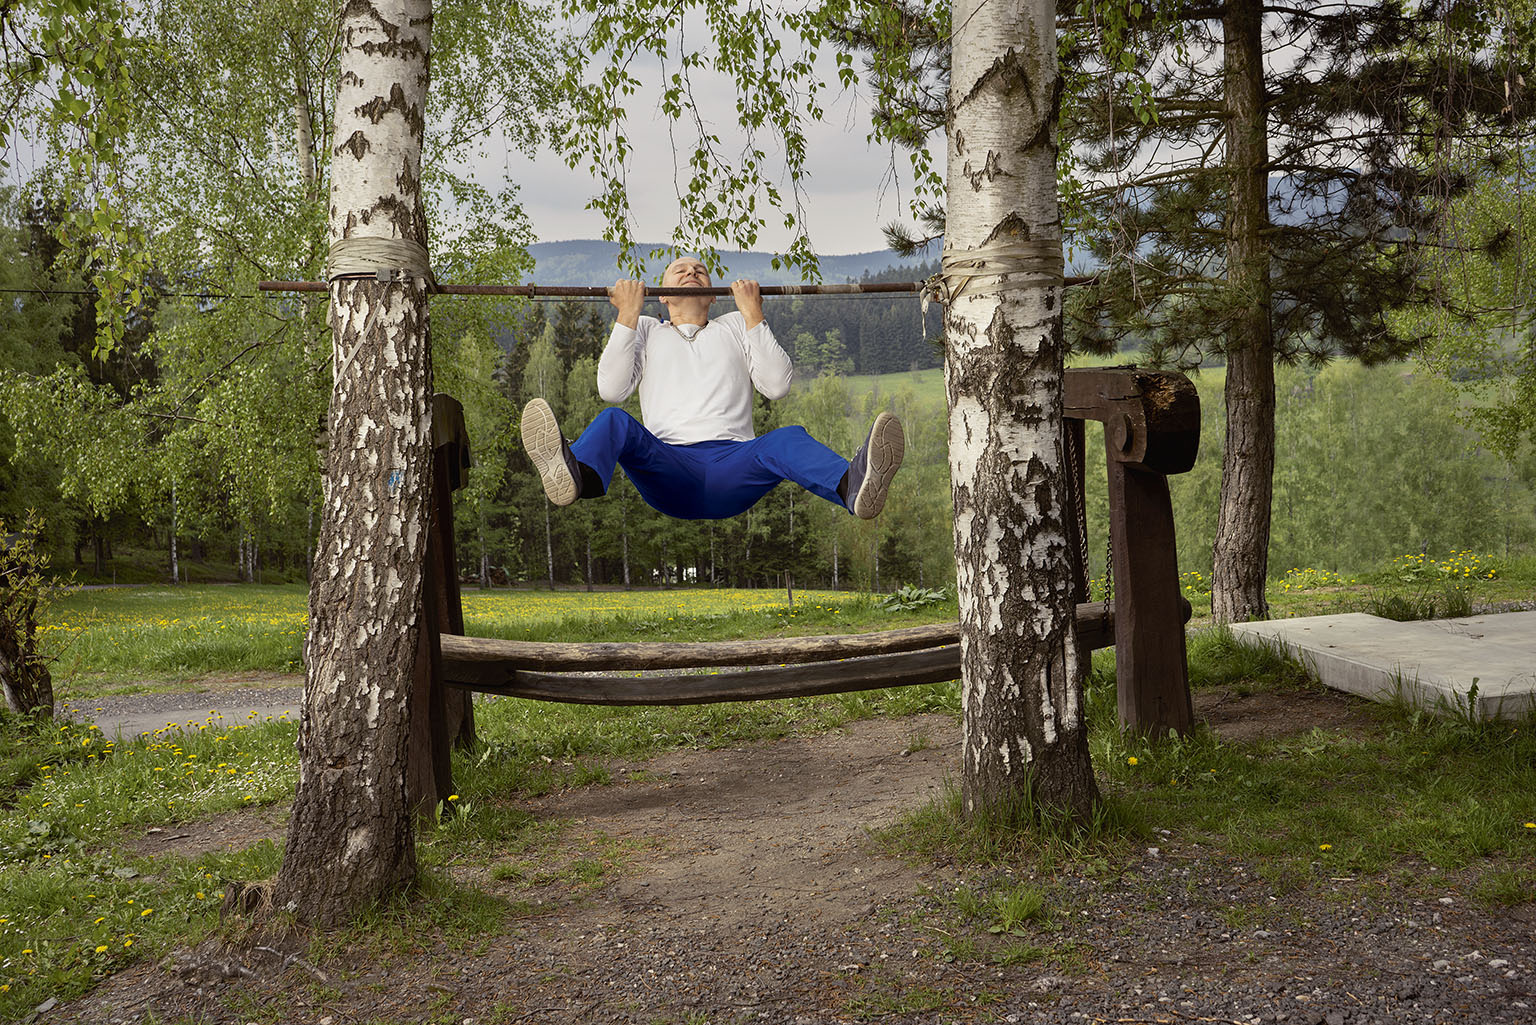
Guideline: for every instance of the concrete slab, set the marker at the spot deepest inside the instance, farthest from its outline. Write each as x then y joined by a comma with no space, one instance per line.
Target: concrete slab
1432,664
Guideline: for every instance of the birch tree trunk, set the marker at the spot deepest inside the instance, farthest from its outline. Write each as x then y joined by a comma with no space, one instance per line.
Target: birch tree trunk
549,548
175,564
1241,550
624,536
485,558
303,121
350,840
1025,739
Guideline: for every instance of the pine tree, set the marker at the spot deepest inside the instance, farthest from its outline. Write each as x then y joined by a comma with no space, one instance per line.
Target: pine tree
1256,181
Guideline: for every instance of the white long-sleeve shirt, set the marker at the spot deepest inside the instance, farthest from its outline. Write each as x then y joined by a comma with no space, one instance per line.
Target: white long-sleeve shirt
696,388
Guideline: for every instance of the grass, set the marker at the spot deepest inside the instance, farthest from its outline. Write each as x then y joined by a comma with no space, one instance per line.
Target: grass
69,796
78,902
1412,797
116,640
128,639
1427,602
1444,791
1002,909
1434,803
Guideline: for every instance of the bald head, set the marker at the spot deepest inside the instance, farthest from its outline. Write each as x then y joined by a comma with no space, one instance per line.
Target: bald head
686,271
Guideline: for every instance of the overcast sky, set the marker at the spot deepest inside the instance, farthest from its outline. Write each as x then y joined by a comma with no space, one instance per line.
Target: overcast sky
850,194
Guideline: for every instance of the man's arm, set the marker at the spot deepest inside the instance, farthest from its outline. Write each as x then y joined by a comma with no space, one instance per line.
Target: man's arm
770,366
628,295
618,368
749,300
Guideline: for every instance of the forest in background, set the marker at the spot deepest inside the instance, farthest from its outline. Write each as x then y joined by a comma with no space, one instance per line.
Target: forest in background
1372,463
195,441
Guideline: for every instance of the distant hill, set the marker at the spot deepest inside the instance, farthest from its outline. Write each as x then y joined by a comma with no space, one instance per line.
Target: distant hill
589,262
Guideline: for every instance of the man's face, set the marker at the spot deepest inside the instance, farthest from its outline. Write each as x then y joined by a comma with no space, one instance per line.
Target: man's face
685,271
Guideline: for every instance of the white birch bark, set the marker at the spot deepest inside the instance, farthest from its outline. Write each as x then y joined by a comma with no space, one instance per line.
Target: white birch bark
350,840
624,536
175,564
549,548
1024,734
303,121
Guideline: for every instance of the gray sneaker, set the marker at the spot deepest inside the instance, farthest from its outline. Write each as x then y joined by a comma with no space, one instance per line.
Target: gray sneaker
558,470
870,472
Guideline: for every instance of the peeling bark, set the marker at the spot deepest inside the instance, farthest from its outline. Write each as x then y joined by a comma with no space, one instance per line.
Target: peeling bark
1025,734
350,841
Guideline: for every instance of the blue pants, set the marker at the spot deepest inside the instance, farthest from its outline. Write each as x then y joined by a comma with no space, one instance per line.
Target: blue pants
710,480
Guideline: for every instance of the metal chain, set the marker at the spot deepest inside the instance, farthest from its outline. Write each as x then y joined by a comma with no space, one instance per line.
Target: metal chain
1109,566
1077,502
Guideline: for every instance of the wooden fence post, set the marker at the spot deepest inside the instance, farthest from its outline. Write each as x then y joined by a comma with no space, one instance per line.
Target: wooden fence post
1151,429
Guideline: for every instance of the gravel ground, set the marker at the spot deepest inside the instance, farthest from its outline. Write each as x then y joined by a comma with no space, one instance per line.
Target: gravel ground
128,715
750,890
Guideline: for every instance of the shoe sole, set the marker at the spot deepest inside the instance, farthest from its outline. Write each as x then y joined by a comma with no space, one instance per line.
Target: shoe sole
887,446
542,440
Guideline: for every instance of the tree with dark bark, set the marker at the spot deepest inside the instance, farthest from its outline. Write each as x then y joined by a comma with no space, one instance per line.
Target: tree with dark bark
1278,205
350,838
24,676
1258,183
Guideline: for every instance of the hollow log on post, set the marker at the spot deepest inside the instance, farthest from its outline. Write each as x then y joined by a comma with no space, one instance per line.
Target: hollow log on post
798,666
1151,429
441,716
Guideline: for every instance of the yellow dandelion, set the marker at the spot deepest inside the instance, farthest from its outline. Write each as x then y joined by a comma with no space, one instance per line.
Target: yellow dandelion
1133,760
101,949
1325,846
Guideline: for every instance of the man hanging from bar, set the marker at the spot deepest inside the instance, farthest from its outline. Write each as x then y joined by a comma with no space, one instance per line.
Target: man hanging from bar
696,457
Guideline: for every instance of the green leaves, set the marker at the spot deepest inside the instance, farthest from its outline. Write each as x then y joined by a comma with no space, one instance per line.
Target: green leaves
766,54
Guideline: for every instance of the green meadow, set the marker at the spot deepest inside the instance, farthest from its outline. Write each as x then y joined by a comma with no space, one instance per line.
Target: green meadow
1397,797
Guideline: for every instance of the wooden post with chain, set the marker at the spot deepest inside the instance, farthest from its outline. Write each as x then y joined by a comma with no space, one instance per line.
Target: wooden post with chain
1151,429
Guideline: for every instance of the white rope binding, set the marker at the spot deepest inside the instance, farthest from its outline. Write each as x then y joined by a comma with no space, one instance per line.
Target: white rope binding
387,259
990,269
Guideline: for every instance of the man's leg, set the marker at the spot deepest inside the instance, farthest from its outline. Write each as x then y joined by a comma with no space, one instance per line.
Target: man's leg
742,473
788,453
871,469
668,477
558,470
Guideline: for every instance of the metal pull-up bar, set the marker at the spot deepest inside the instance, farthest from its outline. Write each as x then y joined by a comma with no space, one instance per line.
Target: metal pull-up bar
590,292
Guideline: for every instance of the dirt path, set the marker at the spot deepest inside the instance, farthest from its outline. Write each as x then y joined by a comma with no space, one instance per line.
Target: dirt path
750,891
257,694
